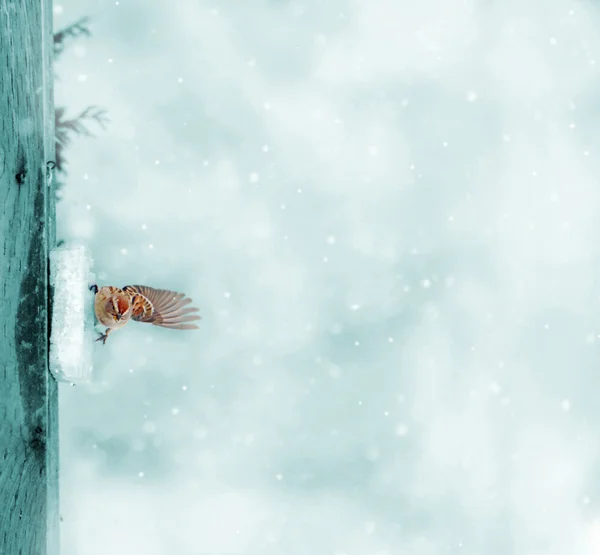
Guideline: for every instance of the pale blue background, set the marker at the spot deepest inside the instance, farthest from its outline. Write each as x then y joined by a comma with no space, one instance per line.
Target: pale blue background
388,213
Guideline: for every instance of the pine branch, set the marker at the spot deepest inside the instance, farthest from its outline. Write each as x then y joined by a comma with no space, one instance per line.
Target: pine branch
66,129
78,29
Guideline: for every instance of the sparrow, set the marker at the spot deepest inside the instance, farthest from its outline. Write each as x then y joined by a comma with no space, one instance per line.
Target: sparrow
115,306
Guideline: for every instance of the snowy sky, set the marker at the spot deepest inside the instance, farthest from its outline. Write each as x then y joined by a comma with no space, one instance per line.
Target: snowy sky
387,212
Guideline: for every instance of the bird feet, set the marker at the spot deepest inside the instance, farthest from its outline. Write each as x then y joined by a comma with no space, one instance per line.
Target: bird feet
103,337
94,288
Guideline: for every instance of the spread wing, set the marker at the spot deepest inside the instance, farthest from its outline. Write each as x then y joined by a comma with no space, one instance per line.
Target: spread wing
161,307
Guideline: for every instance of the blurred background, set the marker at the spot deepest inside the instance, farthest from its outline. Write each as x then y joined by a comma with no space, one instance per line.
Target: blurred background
388,213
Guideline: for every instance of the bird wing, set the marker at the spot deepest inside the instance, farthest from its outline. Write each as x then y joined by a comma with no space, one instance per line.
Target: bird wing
161,307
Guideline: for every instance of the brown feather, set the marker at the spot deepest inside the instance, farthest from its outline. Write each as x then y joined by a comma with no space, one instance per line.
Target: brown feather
162,307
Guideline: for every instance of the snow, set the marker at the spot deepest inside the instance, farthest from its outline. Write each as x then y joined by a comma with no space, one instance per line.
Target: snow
72,334
411,342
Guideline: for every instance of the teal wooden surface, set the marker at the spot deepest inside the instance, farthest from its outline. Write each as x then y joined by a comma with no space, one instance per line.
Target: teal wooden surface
28,393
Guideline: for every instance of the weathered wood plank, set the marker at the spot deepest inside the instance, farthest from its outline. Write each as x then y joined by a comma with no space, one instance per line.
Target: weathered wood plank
28,393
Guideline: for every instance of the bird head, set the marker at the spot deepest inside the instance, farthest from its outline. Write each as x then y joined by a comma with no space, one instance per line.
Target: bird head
117,306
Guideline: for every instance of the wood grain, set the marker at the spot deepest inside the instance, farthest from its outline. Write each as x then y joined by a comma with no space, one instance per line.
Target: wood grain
28,393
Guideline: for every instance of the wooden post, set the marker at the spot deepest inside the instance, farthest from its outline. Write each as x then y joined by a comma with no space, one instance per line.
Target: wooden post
28,393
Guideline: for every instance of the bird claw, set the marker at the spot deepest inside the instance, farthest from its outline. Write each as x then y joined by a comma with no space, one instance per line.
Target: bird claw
103,337
94,288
